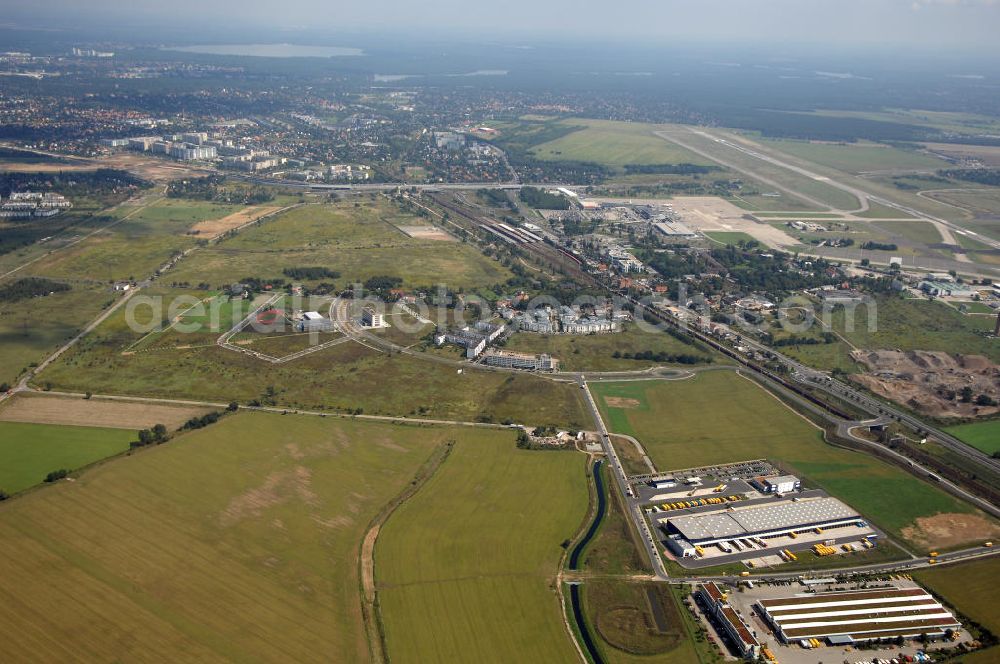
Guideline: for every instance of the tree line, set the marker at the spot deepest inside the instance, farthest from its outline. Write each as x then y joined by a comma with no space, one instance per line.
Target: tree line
29,287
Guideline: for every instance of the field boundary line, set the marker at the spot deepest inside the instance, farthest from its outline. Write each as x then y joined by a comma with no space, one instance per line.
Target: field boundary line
370,612
395,419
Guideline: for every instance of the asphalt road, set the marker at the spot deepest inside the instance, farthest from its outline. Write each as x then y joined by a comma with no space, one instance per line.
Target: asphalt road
621,479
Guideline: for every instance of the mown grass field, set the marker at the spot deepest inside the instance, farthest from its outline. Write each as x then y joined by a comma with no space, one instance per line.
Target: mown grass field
981,435
595,352
802,184
48,408
357,239
859,157
625,630
720,417
729,237
238,542
971,589
29,452
614,144
465,569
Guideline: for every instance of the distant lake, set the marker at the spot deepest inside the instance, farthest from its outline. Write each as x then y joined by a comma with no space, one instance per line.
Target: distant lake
270,50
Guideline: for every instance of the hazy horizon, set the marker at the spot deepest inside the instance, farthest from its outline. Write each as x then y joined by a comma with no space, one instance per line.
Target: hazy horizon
920,25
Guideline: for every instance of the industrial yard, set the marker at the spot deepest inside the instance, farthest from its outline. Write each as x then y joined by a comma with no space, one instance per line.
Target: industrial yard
748,513
886,619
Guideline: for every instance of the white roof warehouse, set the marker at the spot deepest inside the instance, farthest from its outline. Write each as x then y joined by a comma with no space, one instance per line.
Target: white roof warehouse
861,615
765,520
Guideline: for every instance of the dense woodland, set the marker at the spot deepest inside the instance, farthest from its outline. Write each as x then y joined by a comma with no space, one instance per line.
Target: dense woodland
211,188
987,176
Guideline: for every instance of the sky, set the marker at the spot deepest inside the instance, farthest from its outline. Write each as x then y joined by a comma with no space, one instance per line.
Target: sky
924,24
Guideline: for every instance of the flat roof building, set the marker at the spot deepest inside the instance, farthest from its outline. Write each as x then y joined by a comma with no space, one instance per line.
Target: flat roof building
767,520
509,360
372,318
780,484
313,321
861,615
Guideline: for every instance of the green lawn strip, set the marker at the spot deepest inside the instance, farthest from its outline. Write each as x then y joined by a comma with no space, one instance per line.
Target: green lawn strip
29,452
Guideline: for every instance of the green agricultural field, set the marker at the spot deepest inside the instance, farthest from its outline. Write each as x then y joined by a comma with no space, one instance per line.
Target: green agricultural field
859,157
971,589
614,144
238,542
29,452
595,352
981,435
720,417
466,568
729,237
32,329
358,242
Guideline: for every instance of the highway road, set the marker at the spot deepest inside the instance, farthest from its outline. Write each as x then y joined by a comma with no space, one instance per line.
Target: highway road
901,566
817,379
621,479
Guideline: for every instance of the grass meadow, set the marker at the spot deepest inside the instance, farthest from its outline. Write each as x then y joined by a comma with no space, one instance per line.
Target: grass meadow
614,144
981,435
347,376
32,329
859,157
357,239
595,352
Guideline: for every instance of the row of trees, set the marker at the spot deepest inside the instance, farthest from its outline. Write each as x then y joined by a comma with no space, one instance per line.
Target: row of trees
662,356
29,287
